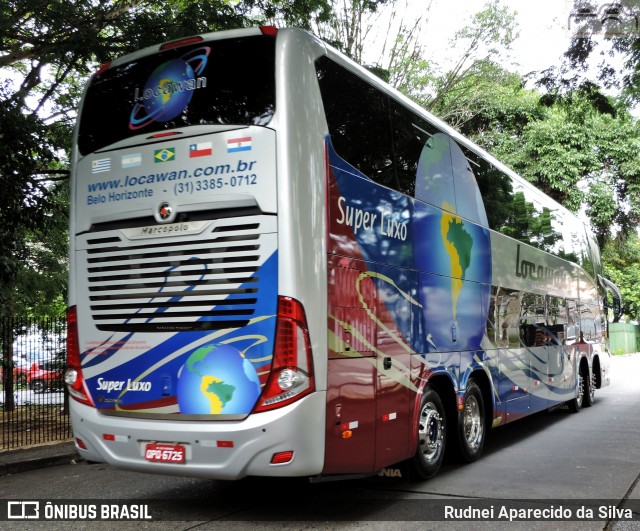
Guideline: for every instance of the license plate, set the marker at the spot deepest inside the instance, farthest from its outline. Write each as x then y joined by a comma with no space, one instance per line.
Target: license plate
165,453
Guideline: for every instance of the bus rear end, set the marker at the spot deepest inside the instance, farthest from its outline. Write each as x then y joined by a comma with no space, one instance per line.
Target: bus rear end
183,357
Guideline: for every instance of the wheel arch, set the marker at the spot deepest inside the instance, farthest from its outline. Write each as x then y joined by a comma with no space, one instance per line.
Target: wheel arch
583,362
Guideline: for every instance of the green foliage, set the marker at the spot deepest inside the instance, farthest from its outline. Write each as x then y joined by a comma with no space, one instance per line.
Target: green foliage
488,100
567,146
525,223
408,70
28,210
622,265
577,145
45,270
451,92
614,40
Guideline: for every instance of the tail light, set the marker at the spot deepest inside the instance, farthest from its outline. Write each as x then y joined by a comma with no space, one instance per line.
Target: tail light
181,42
103,68
291,375
271,31
73,375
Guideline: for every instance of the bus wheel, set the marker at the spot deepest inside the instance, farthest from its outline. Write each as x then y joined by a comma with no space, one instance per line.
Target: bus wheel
471,423
589,389
575,405
432,435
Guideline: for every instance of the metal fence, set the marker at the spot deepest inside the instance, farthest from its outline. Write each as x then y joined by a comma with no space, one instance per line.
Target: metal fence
33,399
624,338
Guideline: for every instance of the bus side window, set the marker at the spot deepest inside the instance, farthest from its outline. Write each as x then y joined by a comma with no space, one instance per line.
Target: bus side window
358,120
410,134
496,190
536,335
527,334
507,318
589,326
573,322
557,319
492,332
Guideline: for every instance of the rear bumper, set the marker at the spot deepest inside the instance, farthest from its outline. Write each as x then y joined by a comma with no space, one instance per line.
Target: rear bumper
247,450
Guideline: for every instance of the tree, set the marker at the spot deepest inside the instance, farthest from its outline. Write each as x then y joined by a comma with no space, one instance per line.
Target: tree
606,32
28,208
573,152
348,24
566,144
28,213
449,91
621,257
488,36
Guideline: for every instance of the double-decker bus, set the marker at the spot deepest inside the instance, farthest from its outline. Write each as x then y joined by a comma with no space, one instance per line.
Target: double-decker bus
280,266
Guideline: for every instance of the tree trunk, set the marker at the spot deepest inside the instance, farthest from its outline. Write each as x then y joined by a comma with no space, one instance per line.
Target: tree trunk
6,338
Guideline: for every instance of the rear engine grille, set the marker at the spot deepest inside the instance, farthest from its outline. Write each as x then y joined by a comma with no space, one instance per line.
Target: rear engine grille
205,283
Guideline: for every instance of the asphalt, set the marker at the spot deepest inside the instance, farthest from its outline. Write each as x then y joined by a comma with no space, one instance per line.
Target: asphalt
45,455
41,456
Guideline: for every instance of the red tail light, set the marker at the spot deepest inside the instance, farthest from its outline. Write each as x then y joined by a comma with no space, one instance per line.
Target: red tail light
282,458
73,376
103,68
181,42
291,375
163,135
271,31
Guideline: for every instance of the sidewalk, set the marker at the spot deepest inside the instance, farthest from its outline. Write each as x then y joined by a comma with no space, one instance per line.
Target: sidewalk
23,460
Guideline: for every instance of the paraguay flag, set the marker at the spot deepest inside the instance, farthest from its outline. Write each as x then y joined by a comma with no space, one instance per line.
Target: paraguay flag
239,144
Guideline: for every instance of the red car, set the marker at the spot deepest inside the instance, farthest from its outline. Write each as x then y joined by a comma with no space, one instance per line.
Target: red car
42,374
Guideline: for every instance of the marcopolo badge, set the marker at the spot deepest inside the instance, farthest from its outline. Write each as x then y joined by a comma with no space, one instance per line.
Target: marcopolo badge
165,212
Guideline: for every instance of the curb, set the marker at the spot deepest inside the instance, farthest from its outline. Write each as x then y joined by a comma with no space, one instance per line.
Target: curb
43,456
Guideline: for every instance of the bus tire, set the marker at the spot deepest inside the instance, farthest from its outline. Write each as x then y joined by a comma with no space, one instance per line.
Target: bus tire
575,405
589,389
471,423
432,435
597,373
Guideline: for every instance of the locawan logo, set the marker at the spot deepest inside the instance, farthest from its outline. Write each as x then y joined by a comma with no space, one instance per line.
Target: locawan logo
169,89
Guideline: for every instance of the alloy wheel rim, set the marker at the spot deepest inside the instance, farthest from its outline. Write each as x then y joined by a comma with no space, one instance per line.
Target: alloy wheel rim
430,432
472,423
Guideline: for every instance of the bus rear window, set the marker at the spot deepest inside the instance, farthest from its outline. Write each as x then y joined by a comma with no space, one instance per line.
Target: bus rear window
218,82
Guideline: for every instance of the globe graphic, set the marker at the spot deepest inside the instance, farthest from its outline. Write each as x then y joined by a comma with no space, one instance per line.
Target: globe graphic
168,89
165,93
452,249
217,380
